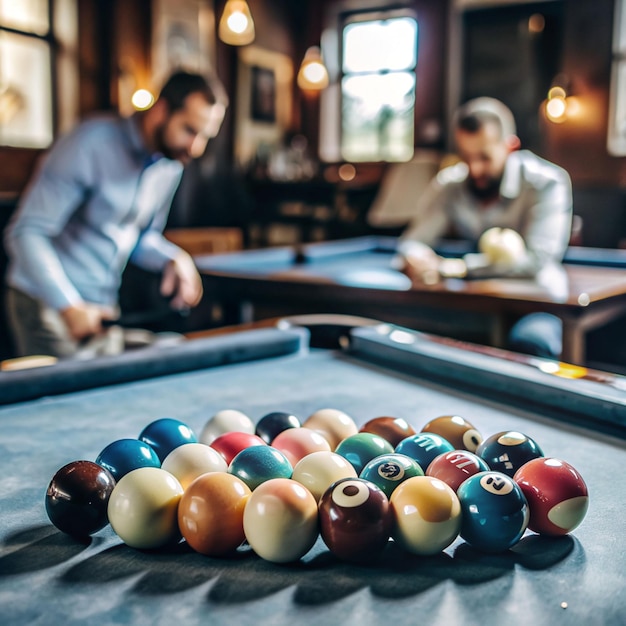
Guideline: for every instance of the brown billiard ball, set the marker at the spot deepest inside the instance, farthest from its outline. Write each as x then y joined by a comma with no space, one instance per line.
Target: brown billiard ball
457,430
77,498
393,429
355,519
557,495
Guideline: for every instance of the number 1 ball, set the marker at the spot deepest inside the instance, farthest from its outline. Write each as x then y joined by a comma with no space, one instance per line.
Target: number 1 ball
557,495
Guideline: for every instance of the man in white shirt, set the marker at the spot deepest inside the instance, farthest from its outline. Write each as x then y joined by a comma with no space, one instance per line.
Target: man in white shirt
495,185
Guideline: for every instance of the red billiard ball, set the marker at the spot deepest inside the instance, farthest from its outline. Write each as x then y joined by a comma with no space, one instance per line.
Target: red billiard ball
455,467
355,519
229,445
77,498
557,495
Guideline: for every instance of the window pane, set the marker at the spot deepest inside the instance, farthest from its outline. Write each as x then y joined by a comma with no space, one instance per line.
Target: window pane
380,45
378,116
25,92
28,15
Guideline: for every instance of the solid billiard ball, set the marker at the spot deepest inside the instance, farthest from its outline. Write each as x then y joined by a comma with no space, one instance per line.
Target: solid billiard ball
393,429
334,425
455,467
424,447
427,515
225,421
191,460
504,247
355,520
361,448
507,451
296,443
257,464
387,471
557,495
319,470
494,511
461,433
229,445
272,424
165,434
210,513
77,498
280,520
143,508
125,455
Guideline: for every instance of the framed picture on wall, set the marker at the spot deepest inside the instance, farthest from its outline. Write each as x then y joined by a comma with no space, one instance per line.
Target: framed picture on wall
263,94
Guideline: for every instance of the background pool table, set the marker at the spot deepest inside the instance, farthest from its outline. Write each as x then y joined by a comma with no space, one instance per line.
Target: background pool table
49,578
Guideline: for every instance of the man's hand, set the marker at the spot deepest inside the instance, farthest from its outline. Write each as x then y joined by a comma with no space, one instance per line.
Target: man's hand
182,281
84,320
421,264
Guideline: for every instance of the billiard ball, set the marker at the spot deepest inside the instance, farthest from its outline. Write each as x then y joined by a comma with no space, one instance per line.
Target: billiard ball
557,495
296,443
387,471
225,421
319,470
334,425
494,511
191,460
256,464
272,424
77,498
427,515
280,520
502,246
361,448
424,447
229,445
124,455
461,433
165,434
143,508
210,513
455,467
355,520
507,451
393,429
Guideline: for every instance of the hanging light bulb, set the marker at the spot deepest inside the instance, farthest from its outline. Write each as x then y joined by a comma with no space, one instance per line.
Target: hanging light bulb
313,73
236,25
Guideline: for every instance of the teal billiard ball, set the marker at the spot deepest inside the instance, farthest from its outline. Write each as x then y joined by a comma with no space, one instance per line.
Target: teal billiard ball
165,434
257,464
507,451
424,448
387,471
494,511
125,455
361,448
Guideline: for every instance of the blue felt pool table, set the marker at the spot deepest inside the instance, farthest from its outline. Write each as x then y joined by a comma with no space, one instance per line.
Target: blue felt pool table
55,415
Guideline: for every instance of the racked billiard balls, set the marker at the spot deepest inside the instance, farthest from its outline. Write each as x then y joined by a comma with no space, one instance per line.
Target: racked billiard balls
125,455
393,429
257,464
191,460
319,470
461,433
272,424
507,451
165,434
355,519
334,425
387,471
424,447
296,443
455,467
494,510
229,445
557,495
280,520
427,515
77,498
225,421
361,448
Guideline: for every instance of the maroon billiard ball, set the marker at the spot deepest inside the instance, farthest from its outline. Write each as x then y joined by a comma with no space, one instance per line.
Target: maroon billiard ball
455,467
77,498
507,451
229,445
355,519
393,429
557,495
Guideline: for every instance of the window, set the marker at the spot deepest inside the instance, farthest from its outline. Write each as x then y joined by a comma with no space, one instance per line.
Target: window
378,60
26,62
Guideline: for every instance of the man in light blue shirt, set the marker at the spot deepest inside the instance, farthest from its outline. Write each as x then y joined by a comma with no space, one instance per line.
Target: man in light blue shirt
100,198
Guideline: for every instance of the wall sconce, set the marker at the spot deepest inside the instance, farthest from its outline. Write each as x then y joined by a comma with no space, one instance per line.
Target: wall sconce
236,26
313,74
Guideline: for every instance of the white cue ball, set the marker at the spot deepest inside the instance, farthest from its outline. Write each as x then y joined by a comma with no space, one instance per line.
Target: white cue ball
502,246
191,460
225,421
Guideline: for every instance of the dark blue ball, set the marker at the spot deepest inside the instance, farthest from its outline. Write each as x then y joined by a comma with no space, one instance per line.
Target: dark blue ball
125,455
165,434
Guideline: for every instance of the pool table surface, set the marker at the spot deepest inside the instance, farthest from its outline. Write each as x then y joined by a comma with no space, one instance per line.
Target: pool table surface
55,415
